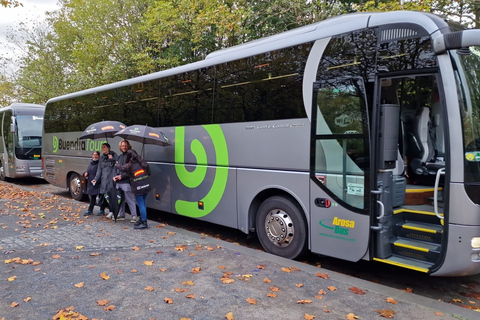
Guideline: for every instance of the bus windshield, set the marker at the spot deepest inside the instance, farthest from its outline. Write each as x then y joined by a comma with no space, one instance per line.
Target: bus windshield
468,84
28,136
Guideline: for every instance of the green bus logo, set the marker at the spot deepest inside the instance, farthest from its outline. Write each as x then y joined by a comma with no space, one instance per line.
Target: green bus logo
192,179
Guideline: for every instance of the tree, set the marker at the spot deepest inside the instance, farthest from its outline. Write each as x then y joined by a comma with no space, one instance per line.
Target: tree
10,4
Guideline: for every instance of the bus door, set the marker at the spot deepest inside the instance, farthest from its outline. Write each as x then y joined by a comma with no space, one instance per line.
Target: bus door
339,174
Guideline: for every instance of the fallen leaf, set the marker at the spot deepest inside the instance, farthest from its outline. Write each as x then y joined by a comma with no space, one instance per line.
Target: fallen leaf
104,276
163,269
391,300
190,296
274,289
438,313
56,256
304,301
95,254
109,308
357,290
136,248
261,267
79,247
271,295
12,278
148,263
229,316
251,301
27,299
266,280
168,300
351,316
227,280
386,313
322,275
79,285
188,283
149,288
196,270
221,267
181,290
308,316
331,288
287,270
103,302
299,285
13,304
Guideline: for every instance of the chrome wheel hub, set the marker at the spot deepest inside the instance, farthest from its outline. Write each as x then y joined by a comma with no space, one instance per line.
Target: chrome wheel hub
279,228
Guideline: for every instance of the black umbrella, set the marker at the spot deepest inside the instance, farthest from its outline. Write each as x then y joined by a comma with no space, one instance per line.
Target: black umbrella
114,198
144,134
102,129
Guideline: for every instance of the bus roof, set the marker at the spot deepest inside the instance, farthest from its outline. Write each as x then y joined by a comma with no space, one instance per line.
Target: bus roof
22,105
323,29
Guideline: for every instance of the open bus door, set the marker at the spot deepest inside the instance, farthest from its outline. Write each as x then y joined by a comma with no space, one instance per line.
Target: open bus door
340,170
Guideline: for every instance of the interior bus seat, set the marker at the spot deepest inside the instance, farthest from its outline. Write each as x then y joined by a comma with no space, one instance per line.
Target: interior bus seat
423,163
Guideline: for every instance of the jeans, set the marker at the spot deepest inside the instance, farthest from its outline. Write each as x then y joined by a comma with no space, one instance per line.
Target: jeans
142,205
129,199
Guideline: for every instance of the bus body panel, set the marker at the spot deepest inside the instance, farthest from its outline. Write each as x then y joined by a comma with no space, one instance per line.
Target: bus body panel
336,231
461,259
252,182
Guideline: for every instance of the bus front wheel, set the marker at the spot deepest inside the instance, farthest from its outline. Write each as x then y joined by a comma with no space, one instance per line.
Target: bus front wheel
281,227
3,177
75,187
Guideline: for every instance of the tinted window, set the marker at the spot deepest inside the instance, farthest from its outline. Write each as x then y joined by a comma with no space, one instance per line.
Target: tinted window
264,87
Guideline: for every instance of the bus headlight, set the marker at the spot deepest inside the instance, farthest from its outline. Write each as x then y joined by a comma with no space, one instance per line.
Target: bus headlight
476,243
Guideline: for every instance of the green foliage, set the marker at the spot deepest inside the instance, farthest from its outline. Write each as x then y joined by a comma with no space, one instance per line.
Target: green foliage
10,4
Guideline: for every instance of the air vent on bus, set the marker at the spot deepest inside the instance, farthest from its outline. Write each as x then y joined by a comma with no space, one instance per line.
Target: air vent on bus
398,33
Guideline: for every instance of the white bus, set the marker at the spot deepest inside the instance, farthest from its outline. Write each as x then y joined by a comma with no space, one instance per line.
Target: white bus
356,137
21,140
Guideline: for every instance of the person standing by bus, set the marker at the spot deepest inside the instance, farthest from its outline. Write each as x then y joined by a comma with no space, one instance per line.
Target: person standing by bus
139,171
105,173
92,189
123,183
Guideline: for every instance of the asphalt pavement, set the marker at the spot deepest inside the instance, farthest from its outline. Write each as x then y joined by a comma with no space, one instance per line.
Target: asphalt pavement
57,264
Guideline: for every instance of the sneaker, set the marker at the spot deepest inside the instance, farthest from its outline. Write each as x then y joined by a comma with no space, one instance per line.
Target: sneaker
142,225
88,213
120,218
139,221
134,219
101,213
110,215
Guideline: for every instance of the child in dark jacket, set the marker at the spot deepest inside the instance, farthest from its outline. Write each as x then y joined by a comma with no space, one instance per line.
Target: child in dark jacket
92,188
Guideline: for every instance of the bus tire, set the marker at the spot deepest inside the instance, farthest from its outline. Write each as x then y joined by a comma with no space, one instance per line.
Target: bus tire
3,176
281,227
75,187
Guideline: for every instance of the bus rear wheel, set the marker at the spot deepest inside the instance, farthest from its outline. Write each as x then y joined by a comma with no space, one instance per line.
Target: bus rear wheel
75,187
281,227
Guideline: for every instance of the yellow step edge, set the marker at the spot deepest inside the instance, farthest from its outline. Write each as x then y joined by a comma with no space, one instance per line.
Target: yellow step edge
419,229
403,265
410,247
422,190
427,213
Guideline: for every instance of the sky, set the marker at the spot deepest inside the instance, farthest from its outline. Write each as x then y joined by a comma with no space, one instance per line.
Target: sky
10,17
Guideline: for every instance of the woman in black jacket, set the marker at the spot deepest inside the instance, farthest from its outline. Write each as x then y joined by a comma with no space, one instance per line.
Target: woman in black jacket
139,171
92,188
